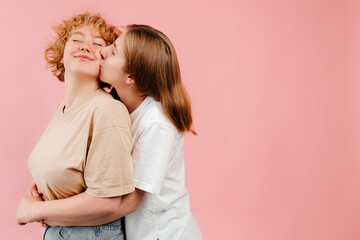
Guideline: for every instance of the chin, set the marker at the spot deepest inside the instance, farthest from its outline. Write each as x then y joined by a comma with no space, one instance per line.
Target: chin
89,73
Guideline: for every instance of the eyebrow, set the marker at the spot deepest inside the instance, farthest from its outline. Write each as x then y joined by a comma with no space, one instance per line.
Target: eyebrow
80,33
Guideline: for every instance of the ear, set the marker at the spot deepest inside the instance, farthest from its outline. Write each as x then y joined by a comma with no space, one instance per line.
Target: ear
130,80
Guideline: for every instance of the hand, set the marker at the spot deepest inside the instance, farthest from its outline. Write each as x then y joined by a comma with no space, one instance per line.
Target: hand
29,208
29,191
30,188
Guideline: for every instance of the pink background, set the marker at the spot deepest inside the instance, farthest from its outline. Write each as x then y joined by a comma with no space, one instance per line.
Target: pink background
275,92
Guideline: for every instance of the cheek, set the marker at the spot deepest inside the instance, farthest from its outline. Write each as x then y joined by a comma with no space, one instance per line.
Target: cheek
67,54
97,53
70,48
112,72
108,67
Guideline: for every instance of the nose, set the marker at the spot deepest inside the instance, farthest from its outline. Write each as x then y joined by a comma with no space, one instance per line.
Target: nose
85,48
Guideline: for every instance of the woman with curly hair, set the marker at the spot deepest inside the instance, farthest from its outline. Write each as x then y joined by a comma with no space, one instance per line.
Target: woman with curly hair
86,148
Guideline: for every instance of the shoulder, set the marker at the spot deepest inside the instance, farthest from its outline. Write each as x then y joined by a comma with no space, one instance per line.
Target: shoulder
153,119
108,112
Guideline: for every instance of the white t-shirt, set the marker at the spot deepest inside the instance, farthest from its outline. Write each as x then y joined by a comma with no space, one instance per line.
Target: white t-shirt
164,213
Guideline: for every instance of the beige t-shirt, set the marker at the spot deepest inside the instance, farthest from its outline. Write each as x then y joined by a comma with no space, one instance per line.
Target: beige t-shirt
86,148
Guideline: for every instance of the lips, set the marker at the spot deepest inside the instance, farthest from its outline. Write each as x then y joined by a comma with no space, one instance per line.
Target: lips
84,57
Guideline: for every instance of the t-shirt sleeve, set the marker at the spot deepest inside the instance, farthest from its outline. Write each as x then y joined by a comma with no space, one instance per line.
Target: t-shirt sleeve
152,153
108,170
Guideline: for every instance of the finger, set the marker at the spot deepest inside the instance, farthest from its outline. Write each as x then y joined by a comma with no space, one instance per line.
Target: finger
30,188
38,190
35,194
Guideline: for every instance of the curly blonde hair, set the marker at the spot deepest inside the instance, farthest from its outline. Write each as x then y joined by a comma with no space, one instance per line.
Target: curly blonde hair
55,50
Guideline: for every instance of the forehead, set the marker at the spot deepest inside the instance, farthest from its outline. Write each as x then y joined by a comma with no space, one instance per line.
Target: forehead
86,29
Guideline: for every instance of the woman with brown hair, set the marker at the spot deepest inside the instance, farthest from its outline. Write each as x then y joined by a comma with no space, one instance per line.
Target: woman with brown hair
142,67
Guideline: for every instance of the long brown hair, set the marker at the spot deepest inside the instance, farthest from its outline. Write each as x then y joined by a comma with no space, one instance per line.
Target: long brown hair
152,62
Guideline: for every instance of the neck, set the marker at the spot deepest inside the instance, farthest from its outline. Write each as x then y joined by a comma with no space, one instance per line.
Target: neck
131,98
77,87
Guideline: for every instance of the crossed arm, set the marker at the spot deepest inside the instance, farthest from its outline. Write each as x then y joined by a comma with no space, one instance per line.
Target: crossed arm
78,210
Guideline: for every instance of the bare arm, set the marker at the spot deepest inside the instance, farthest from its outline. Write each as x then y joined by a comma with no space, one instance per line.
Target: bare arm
78,208
128,204
73,209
